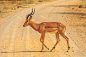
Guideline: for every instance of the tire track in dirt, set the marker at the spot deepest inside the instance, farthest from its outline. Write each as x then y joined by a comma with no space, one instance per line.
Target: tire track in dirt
10,31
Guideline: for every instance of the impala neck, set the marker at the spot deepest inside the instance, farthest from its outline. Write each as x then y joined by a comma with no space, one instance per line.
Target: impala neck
34,25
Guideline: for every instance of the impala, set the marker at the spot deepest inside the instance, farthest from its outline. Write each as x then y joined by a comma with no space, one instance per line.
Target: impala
44,27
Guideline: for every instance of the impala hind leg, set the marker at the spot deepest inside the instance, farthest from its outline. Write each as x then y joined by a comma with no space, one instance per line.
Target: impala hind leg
67,39
42,41
57,40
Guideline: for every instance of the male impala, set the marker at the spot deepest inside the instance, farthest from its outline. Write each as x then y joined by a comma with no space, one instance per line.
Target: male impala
43,27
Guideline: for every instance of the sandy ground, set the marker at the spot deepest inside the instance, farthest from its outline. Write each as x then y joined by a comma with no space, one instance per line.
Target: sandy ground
19,41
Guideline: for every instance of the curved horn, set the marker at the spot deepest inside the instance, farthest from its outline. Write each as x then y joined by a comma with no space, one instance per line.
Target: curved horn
34,11
30,13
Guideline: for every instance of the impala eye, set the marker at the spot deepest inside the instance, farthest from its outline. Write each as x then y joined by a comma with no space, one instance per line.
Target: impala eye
27,21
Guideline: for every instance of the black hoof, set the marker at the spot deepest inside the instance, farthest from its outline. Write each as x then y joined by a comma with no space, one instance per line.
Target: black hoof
48,48
67,51
68,47
41,51
53,47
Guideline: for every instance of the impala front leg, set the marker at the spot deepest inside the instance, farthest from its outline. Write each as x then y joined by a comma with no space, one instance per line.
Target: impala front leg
57,40
42,41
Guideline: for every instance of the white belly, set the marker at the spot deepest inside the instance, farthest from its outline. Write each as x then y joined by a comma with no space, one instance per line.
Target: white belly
51,30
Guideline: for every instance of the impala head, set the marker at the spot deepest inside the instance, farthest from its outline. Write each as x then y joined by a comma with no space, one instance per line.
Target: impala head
28,18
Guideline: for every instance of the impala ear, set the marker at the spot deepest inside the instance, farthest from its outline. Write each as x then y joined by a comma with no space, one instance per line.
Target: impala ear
30,17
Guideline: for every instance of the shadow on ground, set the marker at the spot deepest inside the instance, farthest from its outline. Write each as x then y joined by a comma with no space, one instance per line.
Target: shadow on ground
70,13
24,51
65,6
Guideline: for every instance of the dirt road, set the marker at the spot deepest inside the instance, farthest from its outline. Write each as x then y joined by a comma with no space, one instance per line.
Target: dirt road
19,41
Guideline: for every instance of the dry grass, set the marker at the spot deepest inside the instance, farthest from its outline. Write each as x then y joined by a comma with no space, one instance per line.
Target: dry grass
83,3
7,7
